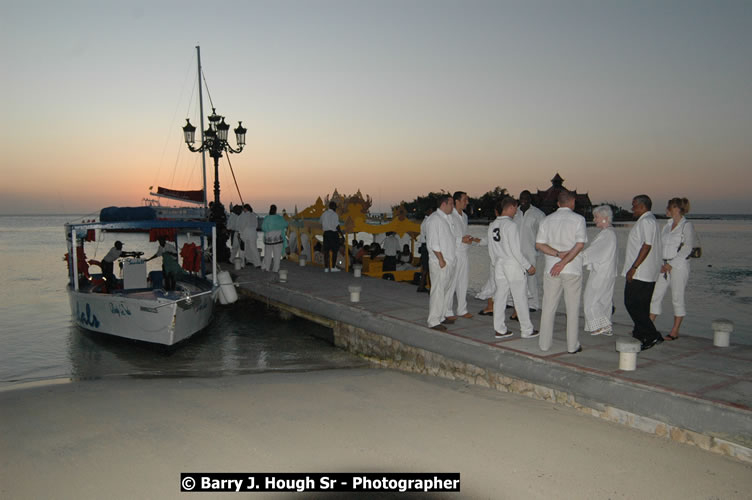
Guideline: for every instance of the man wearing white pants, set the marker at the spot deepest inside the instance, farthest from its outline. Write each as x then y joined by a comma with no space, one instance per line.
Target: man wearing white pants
275,239
459,281
510,268
441,260
561,238
528,219
247,226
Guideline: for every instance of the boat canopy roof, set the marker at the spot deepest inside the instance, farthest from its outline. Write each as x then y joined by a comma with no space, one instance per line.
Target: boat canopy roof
124,214
187,225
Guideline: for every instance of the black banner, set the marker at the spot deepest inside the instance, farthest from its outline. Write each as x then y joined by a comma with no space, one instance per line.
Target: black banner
300,482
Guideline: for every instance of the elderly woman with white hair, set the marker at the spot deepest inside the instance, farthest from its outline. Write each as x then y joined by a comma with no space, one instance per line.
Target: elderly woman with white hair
600,259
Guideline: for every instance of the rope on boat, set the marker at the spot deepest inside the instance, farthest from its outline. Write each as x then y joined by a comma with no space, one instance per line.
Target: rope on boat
184,299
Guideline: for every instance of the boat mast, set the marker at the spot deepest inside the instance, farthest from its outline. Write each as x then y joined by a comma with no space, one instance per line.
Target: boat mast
201,107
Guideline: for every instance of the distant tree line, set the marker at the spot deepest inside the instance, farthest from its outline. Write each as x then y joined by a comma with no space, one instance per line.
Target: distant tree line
477,208
481,207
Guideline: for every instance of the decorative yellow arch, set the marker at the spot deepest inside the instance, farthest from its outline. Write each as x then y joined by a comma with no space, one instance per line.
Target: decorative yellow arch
353,215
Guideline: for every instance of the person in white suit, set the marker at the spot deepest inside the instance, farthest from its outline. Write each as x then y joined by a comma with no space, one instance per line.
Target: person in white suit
247,225
528,219
510,269
442,248
458,285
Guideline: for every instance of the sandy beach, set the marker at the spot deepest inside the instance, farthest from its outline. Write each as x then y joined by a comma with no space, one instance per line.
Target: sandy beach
131,438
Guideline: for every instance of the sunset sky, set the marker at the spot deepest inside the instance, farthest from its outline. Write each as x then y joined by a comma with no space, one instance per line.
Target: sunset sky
395,98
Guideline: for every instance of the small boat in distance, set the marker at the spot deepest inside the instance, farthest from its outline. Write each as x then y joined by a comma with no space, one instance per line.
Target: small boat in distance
137,306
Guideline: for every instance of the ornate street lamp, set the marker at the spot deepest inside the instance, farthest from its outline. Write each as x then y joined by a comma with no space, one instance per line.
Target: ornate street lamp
215,143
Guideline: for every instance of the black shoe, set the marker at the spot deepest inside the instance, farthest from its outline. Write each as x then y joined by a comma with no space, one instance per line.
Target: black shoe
422,290
510,307
650,343
533,310
514,318
579,349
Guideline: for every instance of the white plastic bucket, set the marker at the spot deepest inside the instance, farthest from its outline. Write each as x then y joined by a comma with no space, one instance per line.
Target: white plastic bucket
227,292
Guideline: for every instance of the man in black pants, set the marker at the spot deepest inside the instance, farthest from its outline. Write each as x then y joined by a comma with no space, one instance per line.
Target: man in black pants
642,264
330,224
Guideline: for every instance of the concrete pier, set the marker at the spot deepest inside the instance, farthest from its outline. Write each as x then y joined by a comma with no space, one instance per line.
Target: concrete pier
686,390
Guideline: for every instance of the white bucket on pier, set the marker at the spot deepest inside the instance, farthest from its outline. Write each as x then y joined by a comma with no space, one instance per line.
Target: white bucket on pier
354,292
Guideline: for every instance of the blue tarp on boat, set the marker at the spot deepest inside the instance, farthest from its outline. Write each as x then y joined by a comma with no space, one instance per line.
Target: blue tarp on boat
124,214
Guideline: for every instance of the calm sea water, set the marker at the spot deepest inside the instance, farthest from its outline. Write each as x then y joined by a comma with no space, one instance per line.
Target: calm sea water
39,342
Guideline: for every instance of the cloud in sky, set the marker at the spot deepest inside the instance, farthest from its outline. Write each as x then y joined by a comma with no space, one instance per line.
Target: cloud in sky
394,98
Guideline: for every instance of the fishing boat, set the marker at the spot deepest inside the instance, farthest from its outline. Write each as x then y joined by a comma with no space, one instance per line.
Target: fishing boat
137,306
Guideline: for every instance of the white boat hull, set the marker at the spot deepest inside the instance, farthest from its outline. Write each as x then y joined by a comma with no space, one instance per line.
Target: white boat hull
145,316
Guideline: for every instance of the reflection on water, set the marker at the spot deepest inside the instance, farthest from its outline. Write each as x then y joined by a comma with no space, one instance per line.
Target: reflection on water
39,342
243,338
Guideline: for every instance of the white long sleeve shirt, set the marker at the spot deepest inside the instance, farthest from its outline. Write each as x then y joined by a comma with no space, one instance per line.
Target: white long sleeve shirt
439,237
247,224
600,256
458,223
504,244
677,243
528,224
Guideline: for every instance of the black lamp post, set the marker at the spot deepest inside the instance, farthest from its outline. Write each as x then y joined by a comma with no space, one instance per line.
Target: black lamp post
215,143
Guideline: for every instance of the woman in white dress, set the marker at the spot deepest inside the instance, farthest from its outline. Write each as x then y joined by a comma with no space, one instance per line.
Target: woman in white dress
600,259
677,241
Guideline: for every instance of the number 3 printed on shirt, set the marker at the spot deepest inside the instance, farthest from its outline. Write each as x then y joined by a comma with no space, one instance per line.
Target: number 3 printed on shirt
496,235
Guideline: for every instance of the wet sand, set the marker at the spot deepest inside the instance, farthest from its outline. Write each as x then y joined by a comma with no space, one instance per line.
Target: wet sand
131,438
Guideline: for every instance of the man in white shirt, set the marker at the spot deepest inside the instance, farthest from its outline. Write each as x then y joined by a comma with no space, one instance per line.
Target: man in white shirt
642,263
510,268
441,247
330,224
459,280
391,247
561,237
528,219
247,226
